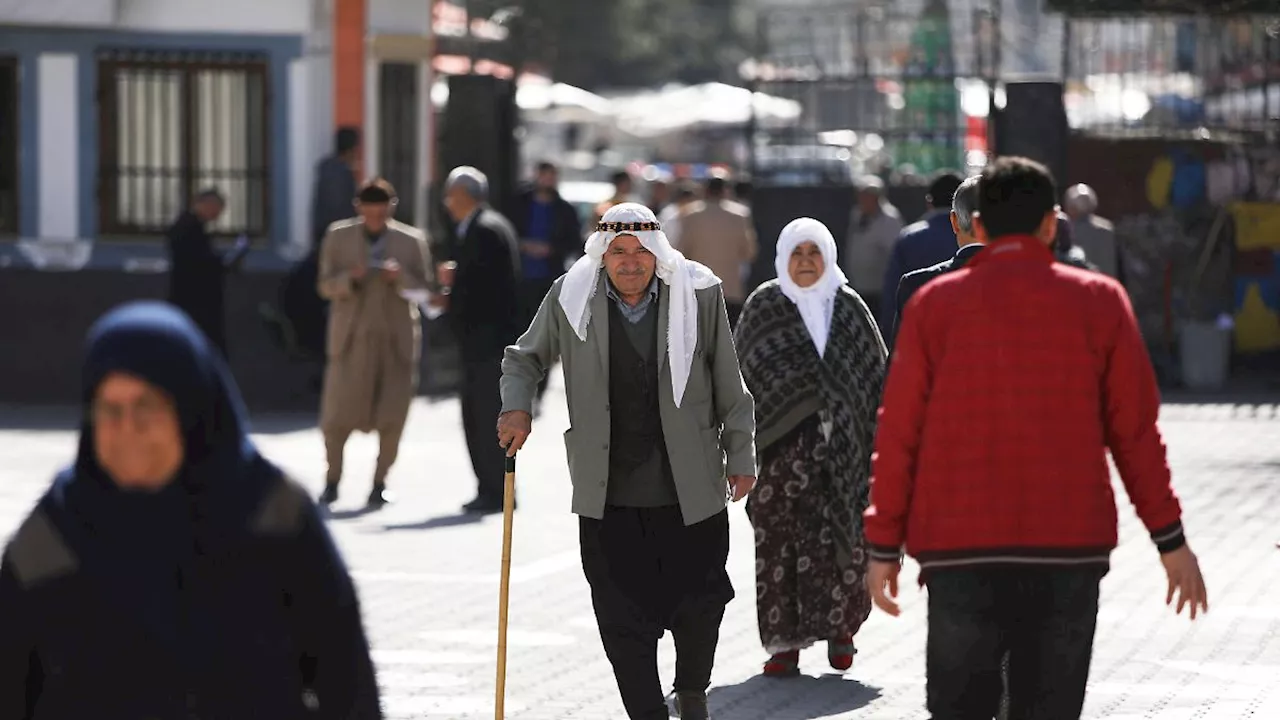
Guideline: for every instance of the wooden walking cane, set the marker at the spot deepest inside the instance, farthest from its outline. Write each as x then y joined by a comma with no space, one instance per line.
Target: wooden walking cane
504,586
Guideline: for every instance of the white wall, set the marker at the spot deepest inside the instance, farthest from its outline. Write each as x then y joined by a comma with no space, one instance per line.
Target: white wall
58,12
277,17
398,17
59,147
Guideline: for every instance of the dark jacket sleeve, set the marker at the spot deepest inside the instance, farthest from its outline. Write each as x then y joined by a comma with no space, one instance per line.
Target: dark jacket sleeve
485,294
19,680
568,241
328,627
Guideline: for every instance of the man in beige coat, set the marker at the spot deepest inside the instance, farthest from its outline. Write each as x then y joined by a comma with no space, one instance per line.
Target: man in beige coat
720,234
662,435
370,269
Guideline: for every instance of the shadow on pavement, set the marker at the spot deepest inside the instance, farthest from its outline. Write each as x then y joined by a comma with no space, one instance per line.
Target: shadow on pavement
799,698
443,521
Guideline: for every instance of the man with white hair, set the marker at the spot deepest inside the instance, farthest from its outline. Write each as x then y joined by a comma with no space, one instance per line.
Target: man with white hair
484,305
662,435
1092,234
873,230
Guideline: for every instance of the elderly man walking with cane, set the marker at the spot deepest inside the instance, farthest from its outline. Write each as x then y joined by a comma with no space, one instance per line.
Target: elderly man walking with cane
662,436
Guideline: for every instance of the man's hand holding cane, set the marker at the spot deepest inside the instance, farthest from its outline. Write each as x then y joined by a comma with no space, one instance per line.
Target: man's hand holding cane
514,427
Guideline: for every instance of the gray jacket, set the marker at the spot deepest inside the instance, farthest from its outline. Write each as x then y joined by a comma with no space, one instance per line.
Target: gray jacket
710,436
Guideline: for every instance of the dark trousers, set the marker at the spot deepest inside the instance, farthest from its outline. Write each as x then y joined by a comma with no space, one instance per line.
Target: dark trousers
650,573
734,311
1043,617
532,292
481,405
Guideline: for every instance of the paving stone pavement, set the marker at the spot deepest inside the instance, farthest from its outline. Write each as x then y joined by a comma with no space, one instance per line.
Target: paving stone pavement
428,580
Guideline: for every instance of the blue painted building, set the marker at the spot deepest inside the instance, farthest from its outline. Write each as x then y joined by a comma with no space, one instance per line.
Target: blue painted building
125,108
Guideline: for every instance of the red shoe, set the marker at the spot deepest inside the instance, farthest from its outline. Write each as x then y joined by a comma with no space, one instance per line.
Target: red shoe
783,665
840,652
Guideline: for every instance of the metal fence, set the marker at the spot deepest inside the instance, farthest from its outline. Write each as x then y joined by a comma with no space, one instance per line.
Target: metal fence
1172,75
887,81
9,143
172,124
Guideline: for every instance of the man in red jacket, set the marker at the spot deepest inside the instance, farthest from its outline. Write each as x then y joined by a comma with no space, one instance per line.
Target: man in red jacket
1011,379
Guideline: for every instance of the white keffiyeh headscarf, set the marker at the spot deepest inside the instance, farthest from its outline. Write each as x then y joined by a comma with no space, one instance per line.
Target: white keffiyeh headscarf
682,277
816,303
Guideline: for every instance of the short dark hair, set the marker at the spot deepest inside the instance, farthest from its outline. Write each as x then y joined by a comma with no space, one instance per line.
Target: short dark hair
742,188
1014,196
346,140
686,190
943,189
717,186
620,177
546,166
377,191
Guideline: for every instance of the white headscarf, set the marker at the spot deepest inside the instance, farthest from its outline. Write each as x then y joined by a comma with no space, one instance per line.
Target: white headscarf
816,303
681,276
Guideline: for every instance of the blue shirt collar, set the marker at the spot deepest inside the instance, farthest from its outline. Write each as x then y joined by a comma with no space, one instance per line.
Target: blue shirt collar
633,313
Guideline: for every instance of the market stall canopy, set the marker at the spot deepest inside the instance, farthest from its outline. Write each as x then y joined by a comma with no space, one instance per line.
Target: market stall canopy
675,108
548,100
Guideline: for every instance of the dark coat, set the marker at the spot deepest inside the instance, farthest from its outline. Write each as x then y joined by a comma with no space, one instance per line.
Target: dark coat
484,301
921,245
913,281
220,597
197,277
566,230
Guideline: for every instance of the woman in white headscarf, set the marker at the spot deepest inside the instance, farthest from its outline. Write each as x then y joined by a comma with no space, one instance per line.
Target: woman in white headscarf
814,361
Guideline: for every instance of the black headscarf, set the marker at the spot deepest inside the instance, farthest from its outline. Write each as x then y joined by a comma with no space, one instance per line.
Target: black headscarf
138,545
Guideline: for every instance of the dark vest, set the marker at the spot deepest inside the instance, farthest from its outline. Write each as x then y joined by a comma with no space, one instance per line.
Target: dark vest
639,469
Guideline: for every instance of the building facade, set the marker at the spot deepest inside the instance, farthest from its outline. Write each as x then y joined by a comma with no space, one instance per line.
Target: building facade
114,112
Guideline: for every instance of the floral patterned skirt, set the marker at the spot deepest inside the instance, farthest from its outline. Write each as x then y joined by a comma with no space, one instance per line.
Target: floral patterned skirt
803,595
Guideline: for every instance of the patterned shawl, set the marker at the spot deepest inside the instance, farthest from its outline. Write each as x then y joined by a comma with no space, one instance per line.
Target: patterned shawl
790,383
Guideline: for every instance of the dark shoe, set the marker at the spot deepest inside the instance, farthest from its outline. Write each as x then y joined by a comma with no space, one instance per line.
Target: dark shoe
379,497
691,706
330,494
783,665
483,505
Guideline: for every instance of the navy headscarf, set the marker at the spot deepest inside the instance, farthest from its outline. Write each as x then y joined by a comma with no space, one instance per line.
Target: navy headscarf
138,543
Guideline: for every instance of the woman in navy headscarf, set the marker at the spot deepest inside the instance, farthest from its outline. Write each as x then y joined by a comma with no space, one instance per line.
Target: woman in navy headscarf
172,571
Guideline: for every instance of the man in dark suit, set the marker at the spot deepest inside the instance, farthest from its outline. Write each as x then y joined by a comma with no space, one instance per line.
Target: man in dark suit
484,305
922,244
963,205
550,234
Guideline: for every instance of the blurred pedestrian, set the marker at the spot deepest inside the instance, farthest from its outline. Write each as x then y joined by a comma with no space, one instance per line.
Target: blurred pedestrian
922,244
1095,236
873,230
197,270
660,192
814,362
686,197
654,413
719,233
1012,379
550,234
623,188
963,207
485,313
369,268
172,571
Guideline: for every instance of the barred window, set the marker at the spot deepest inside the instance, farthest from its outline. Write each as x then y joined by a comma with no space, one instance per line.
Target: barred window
8,146
174,124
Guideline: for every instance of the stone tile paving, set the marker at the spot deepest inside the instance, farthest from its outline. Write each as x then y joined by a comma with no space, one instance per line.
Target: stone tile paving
428,580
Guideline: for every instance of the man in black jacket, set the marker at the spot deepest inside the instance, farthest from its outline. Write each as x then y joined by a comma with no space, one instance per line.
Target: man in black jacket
963,205
550,235
197,270
485,311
